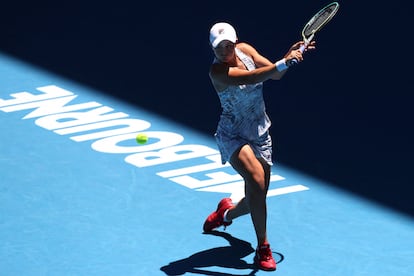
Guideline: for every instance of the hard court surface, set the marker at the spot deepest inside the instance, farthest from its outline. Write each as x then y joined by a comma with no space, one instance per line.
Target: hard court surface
78,196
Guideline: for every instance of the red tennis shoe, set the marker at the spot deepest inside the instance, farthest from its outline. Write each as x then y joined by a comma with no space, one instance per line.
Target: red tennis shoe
264,259
215,219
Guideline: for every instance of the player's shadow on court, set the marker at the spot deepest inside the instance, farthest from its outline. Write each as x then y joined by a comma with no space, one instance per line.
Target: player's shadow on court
226,256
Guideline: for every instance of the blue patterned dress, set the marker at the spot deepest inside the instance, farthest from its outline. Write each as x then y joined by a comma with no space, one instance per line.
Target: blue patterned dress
243,119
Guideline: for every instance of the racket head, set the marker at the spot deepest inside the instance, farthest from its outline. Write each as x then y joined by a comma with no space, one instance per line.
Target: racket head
320,19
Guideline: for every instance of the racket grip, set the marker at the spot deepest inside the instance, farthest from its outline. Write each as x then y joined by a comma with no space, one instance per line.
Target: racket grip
294,61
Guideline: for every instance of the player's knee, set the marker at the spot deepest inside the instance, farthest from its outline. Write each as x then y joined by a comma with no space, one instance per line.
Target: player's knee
257,183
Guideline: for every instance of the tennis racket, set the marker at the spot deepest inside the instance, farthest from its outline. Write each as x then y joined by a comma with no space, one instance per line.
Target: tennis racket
315,24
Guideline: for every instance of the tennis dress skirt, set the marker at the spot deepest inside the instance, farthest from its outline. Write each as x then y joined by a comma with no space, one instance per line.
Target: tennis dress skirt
228,144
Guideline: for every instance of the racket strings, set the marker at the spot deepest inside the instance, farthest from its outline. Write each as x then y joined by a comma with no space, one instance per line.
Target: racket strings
319,20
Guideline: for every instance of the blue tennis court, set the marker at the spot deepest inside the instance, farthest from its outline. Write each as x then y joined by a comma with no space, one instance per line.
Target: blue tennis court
80,197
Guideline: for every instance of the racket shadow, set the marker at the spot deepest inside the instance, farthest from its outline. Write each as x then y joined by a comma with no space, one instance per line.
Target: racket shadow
226,257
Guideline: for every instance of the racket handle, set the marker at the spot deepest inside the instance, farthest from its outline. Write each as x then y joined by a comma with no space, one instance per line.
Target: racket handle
294,61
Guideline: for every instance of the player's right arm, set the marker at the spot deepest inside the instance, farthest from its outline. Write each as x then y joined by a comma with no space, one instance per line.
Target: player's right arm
223,76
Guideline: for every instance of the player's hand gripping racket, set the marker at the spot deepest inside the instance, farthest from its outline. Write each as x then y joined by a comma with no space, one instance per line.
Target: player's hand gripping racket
315,24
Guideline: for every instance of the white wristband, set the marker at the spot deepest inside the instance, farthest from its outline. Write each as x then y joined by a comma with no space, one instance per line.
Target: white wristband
281,65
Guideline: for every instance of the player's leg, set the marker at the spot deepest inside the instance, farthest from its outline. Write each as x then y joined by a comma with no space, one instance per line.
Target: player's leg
238,210
256,174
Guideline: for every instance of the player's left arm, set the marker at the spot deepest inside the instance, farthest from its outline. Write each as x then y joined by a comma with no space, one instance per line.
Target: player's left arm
261,61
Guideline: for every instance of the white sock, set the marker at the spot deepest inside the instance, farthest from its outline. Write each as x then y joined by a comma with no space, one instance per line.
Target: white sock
225,216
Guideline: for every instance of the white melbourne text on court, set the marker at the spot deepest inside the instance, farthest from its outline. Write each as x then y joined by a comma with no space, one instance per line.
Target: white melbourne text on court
92,121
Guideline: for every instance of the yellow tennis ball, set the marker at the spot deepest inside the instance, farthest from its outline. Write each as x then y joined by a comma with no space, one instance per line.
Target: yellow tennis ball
142,138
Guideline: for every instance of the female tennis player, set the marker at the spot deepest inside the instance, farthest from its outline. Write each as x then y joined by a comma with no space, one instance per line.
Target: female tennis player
242,135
